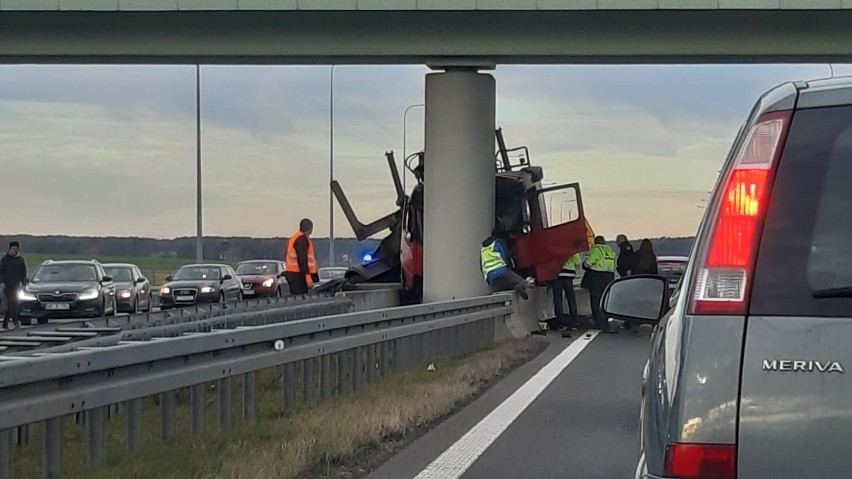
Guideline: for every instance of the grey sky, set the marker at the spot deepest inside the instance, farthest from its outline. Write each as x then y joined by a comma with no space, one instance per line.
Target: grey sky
110,150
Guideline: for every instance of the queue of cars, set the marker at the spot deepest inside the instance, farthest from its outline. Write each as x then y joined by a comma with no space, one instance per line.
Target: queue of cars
88,288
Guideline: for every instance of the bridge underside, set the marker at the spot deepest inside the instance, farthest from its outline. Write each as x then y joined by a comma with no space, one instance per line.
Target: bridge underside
423,37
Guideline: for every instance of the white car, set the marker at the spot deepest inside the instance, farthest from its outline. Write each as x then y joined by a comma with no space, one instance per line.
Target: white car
328,274
672,268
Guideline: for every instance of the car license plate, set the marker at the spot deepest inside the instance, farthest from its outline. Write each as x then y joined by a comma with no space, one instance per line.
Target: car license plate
57,306
183,298
248,292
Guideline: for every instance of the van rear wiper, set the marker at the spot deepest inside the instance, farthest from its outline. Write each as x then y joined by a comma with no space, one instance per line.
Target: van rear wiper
842,292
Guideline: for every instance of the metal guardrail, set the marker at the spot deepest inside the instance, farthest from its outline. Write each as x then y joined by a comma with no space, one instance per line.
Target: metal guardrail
364,346
67,334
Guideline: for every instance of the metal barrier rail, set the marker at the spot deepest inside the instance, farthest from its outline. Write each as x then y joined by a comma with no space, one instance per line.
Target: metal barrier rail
69,333
365,345
197,324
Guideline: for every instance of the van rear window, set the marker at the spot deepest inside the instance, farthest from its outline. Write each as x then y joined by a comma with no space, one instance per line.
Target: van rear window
804,265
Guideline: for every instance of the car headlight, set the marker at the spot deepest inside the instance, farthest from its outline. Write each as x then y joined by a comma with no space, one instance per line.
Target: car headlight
125,294
268,283
207,290
89,295
26,296
165,290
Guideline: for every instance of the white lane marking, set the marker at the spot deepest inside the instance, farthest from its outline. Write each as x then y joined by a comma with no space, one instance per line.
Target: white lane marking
453,462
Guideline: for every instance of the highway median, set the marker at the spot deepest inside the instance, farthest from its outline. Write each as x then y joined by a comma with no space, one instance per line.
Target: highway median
344,436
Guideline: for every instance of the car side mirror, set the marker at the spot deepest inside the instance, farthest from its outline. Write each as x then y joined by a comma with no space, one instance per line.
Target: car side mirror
169,278
140,280
106,279
227,277
637,298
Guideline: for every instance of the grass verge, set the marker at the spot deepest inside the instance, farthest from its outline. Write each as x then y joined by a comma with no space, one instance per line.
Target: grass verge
342,437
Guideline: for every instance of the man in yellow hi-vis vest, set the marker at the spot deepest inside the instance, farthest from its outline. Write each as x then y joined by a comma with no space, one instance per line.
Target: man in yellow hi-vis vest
563,286
600,271
497,266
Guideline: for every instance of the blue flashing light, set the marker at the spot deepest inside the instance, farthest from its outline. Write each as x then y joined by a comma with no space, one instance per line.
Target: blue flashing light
366,257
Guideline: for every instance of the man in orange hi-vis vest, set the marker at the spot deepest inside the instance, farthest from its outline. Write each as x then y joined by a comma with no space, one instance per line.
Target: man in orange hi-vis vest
301,271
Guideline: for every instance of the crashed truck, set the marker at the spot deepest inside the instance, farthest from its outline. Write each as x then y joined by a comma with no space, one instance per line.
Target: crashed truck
546,224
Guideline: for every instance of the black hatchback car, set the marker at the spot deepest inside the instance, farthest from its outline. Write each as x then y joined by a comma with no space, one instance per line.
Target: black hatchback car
67,289
201,284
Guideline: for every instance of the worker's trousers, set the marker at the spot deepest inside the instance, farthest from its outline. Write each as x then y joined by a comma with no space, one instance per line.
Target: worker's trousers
598,281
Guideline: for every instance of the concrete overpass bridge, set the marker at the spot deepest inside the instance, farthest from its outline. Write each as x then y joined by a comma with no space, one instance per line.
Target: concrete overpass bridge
424,31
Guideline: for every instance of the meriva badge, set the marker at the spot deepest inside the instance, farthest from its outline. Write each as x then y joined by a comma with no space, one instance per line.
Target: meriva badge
802,366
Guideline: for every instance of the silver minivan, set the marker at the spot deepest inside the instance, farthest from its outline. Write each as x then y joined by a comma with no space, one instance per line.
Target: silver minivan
746,377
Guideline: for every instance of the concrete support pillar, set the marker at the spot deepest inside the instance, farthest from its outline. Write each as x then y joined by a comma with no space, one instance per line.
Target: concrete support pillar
459,181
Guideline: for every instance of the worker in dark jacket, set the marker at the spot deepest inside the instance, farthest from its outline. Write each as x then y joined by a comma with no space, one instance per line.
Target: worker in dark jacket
13,277
301,270
626,256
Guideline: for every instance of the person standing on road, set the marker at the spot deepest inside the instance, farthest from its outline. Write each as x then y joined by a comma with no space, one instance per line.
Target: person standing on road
301,262
13,276
646,259
600,270
626,256
496,265
563,285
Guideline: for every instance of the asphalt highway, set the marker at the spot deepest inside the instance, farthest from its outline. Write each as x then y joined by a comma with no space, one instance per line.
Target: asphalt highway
573,412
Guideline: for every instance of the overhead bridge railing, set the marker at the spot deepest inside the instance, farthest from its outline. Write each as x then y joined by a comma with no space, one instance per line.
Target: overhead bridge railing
313,358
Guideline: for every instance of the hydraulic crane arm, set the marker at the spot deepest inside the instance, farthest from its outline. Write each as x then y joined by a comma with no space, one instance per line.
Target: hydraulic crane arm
388,222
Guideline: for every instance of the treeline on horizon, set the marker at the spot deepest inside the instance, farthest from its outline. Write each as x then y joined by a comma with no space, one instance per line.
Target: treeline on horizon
215,247
233,248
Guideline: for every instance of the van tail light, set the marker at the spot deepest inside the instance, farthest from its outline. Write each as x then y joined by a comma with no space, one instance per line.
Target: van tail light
722,283
701,461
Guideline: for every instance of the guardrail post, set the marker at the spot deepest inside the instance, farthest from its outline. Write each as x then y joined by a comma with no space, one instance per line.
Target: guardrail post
478,336
168,427
52,448
357,363
197,408
23,435
386,361
325,376
308,384
95,432
395,362
249,391
371,363
134,424
288,383
6,454
342,372
224,387
425,351
435,344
